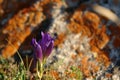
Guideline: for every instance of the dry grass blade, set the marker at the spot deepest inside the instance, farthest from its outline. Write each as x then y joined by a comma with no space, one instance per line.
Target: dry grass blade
106,13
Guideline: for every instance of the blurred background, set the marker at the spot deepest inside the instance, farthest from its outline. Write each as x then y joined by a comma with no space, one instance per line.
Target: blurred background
86,32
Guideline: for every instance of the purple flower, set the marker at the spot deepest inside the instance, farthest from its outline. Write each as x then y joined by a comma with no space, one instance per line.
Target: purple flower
43,47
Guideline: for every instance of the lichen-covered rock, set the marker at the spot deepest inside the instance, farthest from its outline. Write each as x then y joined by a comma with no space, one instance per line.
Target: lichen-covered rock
83,39
20,27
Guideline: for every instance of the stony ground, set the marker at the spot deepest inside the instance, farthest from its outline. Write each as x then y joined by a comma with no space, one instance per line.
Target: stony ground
85,38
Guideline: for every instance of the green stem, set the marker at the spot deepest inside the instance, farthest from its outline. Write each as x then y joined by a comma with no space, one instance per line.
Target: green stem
17,53
40,70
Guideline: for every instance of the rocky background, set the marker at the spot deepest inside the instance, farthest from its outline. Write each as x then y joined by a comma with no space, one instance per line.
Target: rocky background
86,32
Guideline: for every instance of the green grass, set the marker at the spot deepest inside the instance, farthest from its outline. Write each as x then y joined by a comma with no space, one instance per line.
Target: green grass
11,70
77,71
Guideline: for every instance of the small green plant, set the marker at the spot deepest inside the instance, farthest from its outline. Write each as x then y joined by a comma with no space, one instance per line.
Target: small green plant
77,71
9,70
42,49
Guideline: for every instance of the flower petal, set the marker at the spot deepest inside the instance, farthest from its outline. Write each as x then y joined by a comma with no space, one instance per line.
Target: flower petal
46,44
44,41
49,49
37,49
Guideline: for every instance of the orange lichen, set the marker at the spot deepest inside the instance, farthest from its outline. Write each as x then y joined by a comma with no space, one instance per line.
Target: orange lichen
19,28
84,66
71,75
94,48
88,67
11,50
77,17
91,20
94,67
77,24
75,28
14,44
55,74
108,75
103,58
100,40
89,24
73,57
60,39
80,54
